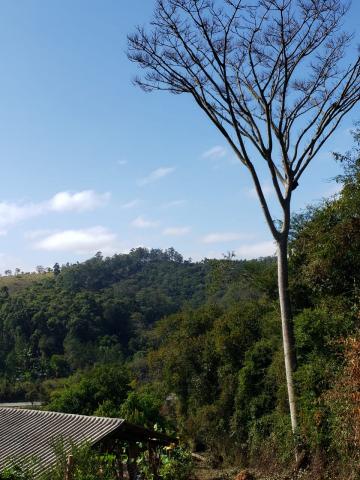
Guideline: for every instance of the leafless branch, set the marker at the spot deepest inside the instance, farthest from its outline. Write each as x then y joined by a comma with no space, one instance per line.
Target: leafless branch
271,75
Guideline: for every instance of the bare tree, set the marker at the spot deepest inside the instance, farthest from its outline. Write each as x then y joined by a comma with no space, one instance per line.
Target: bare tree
273,77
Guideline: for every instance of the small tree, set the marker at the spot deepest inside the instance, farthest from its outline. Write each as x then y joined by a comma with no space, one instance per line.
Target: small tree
56,269
271,75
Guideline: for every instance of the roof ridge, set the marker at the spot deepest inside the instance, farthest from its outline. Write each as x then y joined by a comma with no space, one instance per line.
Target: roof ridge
49,413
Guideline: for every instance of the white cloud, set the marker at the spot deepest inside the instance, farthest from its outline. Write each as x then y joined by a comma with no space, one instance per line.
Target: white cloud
176,231
141,222
12,213
156,175
255,250
215,152
82,241
78,201
34,234
131,204
224,237
122,162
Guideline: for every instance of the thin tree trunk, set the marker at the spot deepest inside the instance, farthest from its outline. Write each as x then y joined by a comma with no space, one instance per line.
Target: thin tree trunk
286,322
69,467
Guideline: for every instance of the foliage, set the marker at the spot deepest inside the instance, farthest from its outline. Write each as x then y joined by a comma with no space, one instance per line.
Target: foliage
343,401
84,393
16,472
173,463
143,408
94,312
325,251
177,465
88,464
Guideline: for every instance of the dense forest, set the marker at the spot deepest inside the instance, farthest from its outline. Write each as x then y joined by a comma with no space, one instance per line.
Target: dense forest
95,311
195,347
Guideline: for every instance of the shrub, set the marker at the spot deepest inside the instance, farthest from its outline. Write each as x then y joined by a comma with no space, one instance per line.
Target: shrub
175,463
343,400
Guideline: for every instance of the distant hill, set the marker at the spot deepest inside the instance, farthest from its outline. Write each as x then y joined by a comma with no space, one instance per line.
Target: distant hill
54,323
101,310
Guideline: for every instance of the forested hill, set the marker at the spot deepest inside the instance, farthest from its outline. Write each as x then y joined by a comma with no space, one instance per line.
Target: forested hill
57,323
99,310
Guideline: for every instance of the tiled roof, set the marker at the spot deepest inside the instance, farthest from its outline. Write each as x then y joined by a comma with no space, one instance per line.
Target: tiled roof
31,433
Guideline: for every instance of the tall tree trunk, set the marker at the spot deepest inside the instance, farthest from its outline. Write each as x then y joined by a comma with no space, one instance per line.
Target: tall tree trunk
287,327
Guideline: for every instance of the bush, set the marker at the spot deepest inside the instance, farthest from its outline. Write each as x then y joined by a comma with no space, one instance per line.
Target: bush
343,401
175,463
16,472
88,464
84,392
177,466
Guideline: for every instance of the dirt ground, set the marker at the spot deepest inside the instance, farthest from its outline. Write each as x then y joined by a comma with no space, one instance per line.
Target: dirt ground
207,473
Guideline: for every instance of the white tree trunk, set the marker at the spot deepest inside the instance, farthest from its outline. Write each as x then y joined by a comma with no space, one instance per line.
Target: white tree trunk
287,330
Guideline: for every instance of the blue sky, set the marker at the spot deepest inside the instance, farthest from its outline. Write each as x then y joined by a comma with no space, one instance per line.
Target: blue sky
91,163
